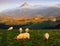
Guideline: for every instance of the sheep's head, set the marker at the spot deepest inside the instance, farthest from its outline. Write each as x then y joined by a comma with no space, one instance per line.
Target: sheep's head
20,30
27,30
16,38
46,36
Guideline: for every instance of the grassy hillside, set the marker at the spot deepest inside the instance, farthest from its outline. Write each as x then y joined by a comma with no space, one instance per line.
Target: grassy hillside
45,25
37,39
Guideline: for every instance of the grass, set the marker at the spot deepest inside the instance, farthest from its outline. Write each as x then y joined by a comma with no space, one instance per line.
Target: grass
7,38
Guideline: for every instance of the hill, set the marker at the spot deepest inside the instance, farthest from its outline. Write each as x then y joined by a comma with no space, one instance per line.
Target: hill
45,25
38,25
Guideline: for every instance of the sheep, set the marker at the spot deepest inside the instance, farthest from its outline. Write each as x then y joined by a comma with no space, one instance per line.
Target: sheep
20,36
46,36
26,36
27,30
23,36
10,28
20,30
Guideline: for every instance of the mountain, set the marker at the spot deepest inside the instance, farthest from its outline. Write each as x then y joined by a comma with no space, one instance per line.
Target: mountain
27,11
51,12
25,5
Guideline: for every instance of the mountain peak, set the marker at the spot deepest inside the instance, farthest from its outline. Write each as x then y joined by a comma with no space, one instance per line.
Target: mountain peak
25,4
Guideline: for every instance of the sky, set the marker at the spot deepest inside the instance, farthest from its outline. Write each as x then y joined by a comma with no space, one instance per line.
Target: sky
9,4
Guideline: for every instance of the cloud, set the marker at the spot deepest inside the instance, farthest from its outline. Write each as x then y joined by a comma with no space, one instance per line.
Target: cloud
25,0
7,1
33,1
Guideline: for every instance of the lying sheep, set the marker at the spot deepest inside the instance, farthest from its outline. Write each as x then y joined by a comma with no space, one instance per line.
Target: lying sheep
46,36
23,36
10,28
20,30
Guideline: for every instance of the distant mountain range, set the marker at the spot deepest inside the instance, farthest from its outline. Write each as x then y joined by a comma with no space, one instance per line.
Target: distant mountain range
27,11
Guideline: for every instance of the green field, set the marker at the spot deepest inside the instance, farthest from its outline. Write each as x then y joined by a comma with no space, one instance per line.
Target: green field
7,38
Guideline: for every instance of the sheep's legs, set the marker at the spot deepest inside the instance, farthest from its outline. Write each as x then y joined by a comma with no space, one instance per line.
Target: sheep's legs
45,39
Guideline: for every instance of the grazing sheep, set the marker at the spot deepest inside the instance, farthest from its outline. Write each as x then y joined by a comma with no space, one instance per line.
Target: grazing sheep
20,30
10,28
23,36
27,30
46,36
26,36
20,36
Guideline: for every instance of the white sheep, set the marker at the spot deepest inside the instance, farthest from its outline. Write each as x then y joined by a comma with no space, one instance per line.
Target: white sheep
23,36
20,36
20,30
27,30
10,28
26,36
46,36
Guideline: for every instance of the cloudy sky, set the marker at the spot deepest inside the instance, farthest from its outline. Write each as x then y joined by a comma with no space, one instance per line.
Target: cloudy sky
8,4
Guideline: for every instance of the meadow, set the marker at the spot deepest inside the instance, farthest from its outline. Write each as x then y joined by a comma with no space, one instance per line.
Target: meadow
7,38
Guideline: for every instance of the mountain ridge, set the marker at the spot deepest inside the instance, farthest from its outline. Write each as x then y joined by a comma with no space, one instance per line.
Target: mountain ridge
26,11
